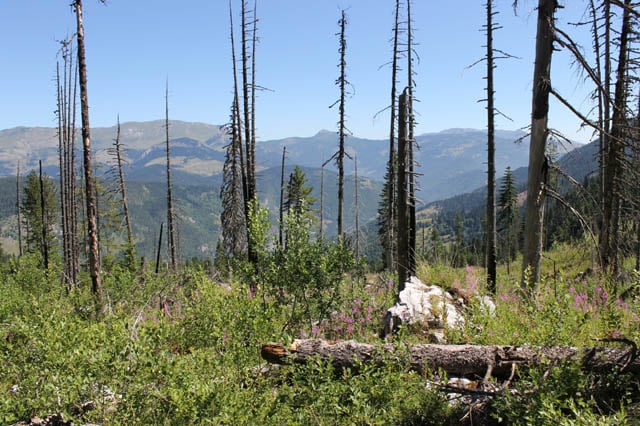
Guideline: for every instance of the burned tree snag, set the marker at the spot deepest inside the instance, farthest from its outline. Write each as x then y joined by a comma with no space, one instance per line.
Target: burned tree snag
534,215
402,197
90,191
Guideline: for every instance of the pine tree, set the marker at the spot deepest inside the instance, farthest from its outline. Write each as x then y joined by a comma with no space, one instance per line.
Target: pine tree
508,214
298,196
233,241
39,222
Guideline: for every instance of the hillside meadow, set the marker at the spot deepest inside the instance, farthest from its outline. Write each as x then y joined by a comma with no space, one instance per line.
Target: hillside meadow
185,348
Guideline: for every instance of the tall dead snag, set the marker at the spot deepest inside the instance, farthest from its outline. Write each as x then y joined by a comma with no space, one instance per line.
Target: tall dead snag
117,151
491,232
402,197
615,154
411,146
232,217
342,83
171,230
320,234
538,165
90,191
236,119
18,204
387,212
357,206
44,222
249,28
281,215
457,360
62,164
66,113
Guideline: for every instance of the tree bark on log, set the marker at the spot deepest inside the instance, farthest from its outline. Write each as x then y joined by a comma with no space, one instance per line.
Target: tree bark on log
456,360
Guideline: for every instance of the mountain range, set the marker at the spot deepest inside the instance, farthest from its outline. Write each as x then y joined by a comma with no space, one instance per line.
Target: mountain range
448,162
451,165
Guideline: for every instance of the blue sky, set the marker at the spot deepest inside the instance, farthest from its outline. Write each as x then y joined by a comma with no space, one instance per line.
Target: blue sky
134,46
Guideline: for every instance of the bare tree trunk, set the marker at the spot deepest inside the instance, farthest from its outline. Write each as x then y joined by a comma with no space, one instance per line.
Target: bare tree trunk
43,211
616,152
159,248
171,231
237,122
402,196
411,251
538,166
125,203
321,199
62,163
284,153
341,123
357,212
390,220
92,212
491,166
251,192
456,360
71,167
66,94
18,203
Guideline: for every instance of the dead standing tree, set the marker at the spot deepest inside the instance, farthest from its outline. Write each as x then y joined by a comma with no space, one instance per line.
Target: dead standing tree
18,204
67,83
92,210
411,147
617,150
122,189
281,209
492,235
538,165
232,217
489,59
387,225
405,269
342,83
44,222
249,41
617,177
236,120
171,234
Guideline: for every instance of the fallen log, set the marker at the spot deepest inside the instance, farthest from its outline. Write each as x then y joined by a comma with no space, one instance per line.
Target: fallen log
456,360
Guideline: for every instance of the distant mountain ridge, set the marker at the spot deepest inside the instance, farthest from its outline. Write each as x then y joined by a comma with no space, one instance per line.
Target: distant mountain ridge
449,162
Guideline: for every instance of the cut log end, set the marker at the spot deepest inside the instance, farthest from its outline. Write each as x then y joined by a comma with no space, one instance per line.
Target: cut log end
274,353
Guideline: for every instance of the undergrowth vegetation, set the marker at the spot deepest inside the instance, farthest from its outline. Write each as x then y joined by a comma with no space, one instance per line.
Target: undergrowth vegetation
185,349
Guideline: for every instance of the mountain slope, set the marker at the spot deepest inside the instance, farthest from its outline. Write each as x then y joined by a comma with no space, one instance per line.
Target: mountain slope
449,162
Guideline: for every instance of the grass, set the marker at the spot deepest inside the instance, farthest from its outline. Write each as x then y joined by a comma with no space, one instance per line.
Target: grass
185,350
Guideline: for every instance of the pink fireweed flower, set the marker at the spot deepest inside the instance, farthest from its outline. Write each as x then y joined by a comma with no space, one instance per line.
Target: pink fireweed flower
581,302
622,304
